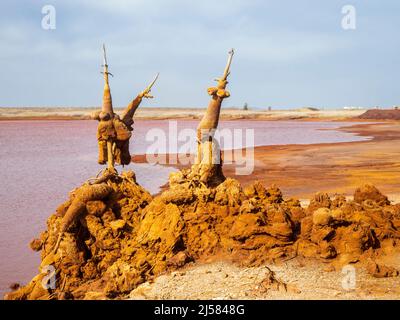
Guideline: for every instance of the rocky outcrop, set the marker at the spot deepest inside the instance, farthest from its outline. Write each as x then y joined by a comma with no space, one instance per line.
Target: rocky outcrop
129,237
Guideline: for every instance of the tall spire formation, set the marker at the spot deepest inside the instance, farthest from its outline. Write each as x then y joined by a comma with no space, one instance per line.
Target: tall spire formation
208,163
114,131
107,108
209,122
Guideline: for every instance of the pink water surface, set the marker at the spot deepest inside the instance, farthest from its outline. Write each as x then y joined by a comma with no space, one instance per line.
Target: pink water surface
43,160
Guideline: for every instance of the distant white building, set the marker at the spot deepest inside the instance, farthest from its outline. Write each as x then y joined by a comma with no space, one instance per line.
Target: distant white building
353,108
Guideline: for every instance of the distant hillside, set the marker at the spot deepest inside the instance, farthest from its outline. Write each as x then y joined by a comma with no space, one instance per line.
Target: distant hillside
376,114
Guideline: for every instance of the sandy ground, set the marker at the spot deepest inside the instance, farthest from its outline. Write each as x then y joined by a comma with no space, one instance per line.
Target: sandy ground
177,113
297,279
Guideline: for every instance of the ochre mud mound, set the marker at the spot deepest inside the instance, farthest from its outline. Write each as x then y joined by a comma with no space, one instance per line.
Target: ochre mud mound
350,231
128,238
377,114
96,244
193,221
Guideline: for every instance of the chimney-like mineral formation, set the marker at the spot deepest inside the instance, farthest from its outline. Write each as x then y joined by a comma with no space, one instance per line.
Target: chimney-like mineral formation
106,134
107,109
208,160
113,133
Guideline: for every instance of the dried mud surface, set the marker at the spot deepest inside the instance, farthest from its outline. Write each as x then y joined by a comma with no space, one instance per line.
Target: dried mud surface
128,238
294,279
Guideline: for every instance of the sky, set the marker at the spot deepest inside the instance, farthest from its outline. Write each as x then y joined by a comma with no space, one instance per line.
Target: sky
288,54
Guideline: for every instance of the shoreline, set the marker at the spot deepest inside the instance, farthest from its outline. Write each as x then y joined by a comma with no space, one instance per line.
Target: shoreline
301,170
153,113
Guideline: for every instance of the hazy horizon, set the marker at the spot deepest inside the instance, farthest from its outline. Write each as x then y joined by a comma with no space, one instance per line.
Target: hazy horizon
250,108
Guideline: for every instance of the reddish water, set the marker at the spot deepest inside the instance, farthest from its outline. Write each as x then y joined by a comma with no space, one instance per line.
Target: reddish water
44,160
